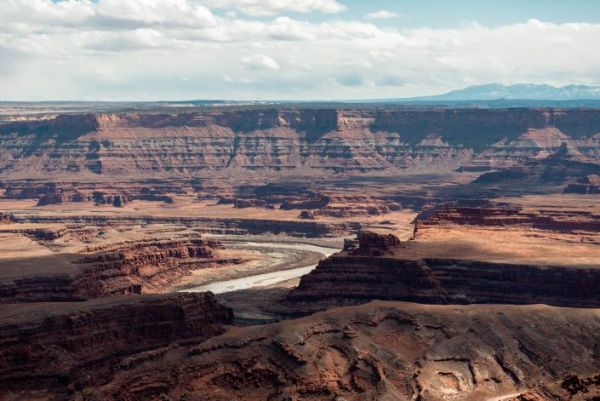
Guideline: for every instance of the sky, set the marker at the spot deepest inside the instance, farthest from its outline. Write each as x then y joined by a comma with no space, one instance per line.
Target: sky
290,49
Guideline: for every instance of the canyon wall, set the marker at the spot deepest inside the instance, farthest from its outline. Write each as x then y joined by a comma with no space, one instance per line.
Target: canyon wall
452,260
141,267
290,140
206,224
343,279
73,345
565,220
380,351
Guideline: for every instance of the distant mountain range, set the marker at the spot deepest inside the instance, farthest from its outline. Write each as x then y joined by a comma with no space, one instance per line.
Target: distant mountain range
517,92
480,96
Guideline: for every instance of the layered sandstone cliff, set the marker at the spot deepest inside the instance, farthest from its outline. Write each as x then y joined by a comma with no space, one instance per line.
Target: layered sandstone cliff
535,144
61,348
379,351
205,224
297,141
140,267
467,254
563,170
559,220
343,279
143,267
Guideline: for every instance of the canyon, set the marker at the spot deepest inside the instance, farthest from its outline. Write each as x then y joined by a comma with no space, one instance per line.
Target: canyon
465,254
355,252
64,347
297,141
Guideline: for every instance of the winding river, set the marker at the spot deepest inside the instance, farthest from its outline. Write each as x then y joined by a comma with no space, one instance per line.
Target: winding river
265,279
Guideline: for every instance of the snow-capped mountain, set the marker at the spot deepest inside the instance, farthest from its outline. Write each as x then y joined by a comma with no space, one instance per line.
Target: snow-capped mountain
519,92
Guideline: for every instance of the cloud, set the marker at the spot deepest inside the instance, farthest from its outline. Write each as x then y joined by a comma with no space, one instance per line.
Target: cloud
352,79
272,7
260,61
140,49
153,12
49,16
230,79
390,80
382,14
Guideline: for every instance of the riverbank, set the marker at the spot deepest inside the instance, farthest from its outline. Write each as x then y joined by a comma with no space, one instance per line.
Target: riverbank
266,262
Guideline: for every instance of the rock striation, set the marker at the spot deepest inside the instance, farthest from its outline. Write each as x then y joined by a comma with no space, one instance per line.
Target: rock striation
141,267
5,218
563,220
378,266
286,140
585,186
370,242
62,348
554,173
205,224
379,351
343,279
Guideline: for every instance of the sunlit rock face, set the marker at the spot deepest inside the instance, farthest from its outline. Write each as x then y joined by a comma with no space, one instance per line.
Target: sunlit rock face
290,141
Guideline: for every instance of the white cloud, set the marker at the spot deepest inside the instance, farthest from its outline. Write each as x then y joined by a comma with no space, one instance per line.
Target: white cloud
161,12
139,49
46,15
382,14
273,7
230,79
260,61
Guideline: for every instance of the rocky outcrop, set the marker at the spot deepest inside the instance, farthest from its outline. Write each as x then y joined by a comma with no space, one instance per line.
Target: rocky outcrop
206,224
5,218
115,200
28,190
573,387
53,288
297,141
369,242
117,194
535,144
561,220
379,351
70,346
318,202
554,173
585,186
318,205
142,267
379,266
342,279
374,240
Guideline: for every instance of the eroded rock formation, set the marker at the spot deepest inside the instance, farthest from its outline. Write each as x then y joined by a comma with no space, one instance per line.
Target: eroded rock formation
300,141
143,267
429,270
554,173
379,351
62,348
566,220
206,224
5,218
343,279
140,267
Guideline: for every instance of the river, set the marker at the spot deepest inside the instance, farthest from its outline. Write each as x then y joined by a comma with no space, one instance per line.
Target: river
265,279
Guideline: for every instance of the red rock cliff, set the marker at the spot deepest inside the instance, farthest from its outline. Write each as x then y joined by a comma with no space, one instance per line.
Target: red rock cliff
70,345
287,140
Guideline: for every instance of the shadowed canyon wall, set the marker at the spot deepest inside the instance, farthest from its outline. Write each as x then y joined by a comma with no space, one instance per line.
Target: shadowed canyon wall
80,344
294,140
